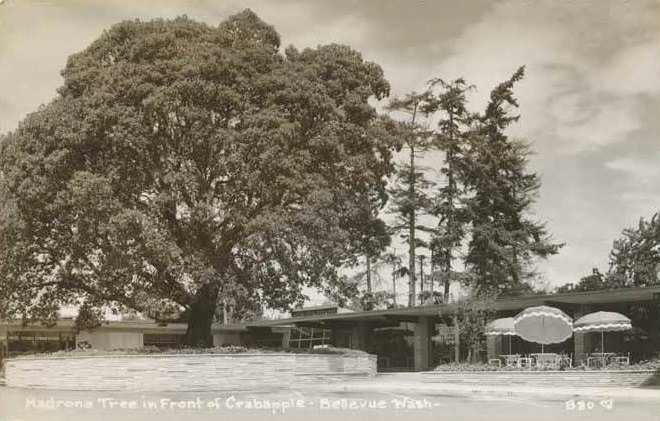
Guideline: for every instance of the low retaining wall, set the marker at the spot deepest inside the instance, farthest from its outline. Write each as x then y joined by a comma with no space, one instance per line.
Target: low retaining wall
600,378
201,372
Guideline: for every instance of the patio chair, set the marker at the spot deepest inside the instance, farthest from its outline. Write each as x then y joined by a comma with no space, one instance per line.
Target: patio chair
495,361
622,359
511,360
525,362
598,360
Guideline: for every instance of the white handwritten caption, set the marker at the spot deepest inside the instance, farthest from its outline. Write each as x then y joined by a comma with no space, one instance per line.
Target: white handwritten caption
232,403
589,405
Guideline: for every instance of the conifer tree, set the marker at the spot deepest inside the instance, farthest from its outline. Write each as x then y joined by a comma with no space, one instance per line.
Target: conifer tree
505,239
408,195
451,139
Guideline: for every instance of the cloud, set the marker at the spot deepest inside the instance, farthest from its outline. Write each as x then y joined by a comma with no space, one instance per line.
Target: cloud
641,178
574,98
636,70
645,171
609,121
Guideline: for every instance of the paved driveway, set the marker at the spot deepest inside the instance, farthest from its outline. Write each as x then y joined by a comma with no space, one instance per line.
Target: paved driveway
312,405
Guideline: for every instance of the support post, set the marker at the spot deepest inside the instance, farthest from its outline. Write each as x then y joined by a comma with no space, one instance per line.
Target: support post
359,336
654,330
3,343
457,341
494,346
422,343
286,337
581,340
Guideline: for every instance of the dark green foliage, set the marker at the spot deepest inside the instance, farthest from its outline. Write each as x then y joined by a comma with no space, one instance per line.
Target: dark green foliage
182,165
409,196
482,203
505,239
473,313
368,301
634,260
428,297
593,282
451,138
635,257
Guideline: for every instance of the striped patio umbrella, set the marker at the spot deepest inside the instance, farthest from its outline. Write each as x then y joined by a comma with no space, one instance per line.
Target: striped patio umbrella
602,321
543,325
503,326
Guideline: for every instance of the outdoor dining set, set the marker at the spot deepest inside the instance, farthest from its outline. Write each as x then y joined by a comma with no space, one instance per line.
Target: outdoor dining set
541,360
548,325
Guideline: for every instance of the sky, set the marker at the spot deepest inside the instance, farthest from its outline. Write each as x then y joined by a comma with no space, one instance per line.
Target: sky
589,103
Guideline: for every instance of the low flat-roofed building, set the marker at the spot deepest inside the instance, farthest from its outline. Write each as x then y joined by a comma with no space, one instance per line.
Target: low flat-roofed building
409,338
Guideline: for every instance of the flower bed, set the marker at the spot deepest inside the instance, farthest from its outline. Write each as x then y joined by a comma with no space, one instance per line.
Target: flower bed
653,365
638,375
224,350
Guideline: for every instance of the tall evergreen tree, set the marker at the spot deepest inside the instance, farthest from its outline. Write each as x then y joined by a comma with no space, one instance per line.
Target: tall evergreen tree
505,239
451,139
408,195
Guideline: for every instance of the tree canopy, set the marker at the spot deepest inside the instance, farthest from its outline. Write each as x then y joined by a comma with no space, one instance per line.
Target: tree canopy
635,256
182,163
634,260
501,190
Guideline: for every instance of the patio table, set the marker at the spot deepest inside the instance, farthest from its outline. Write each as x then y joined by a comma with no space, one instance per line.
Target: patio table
546,359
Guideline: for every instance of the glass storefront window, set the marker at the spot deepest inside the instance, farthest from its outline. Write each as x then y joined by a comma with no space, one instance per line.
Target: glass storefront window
163,340
309,337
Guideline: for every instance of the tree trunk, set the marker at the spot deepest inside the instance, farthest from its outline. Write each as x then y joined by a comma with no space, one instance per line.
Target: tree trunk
411,218
450,218
368,274
447,272
394,269
411,233
421,274
457,341
200,318
432,276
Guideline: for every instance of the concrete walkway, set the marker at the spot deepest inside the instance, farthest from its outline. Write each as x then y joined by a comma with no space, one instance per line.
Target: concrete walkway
414,382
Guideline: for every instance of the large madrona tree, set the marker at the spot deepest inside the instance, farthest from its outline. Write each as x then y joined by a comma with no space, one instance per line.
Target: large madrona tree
185,165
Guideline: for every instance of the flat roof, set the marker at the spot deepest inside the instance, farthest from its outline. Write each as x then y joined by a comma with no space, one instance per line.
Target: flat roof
296,312
146,326
503,303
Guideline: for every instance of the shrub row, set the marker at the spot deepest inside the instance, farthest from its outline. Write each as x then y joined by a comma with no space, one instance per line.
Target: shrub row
224,350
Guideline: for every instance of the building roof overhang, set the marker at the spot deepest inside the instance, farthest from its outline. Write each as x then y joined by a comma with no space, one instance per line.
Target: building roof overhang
502,304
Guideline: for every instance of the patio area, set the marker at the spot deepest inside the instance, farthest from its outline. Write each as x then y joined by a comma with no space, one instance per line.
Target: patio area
545,337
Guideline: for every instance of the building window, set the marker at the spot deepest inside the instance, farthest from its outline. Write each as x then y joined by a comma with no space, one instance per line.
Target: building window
308,337
163,340
27,341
